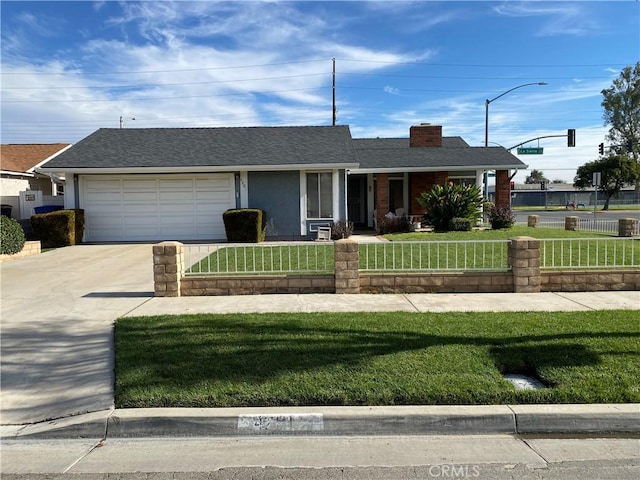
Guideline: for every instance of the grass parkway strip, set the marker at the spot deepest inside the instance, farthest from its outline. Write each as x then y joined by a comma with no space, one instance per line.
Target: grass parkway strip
375,359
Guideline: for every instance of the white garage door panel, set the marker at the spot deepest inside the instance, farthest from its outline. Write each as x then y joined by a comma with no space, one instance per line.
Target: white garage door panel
159,207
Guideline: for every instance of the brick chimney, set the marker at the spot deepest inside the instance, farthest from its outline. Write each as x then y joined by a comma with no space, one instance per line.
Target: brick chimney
425,135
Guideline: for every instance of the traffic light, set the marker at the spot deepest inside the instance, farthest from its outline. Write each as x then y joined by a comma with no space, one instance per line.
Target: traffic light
629,145
512,185
543,185
601,149
571,137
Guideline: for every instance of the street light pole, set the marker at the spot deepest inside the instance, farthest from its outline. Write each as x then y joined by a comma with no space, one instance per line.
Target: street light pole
486,125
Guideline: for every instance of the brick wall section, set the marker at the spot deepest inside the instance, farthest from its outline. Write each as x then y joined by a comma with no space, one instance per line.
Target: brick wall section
168,268
627,227
503,189
347,274
30,248
423,182
589,281
524,260
425,136
382,196
439,282
418,183
256,285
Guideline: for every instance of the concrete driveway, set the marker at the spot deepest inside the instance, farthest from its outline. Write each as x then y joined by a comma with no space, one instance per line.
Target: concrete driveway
57,315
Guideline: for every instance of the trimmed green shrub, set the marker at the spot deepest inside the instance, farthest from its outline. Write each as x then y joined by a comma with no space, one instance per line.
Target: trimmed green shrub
443,203
460,225
59,229
501,217
394,225
11,236
341,229
245,225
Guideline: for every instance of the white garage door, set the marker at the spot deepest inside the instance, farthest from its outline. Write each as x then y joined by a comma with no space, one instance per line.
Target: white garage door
156,207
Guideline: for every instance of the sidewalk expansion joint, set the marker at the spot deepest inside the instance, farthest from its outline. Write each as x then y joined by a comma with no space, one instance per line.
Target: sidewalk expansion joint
559,294
534,450
137,307
404,295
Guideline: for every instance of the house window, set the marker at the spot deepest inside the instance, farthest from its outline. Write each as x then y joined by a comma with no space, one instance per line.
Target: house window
320,195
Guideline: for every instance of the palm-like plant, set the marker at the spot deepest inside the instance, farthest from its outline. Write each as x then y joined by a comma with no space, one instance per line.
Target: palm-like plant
443,203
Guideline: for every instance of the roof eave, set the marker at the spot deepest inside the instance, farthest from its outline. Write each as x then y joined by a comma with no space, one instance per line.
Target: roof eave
201,169
440,168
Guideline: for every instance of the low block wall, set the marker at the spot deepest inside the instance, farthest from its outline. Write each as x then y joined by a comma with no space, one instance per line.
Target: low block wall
589,281
256,285
485,282
30,248
523,276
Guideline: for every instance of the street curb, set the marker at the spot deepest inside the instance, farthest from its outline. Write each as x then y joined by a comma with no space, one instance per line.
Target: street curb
600,418
341,421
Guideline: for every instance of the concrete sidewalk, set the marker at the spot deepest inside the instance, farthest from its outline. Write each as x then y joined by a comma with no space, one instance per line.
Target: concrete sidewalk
416,302
58,310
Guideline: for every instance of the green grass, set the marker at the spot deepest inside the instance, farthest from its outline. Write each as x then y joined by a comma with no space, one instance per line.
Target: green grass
375,358
504,234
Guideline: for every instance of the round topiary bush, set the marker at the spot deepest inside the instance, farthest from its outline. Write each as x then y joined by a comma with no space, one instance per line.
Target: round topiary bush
11,236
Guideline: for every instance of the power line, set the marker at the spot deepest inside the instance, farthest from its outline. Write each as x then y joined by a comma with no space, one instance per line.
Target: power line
164,71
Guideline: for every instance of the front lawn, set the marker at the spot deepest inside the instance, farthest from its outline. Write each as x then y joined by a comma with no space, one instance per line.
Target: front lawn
502,234
375,358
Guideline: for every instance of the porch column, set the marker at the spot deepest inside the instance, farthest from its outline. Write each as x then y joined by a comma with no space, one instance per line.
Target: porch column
503,189
382,197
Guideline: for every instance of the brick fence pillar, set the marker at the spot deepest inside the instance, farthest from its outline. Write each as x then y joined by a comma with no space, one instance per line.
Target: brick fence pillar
524,260
168,265
346,266
627,227
572,224
533,221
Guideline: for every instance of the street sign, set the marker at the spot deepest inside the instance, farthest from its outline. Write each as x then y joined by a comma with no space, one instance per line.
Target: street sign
530,151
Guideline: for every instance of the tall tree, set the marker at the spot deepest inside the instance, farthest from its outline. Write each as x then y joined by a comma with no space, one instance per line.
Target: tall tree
616,171
621,103
536,176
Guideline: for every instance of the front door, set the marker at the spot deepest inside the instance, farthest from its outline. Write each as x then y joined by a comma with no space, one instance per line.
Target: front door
357,200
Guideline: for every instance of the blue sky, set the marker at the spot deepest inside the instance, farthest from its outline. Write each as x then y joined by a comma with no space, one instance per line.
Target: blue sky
69,68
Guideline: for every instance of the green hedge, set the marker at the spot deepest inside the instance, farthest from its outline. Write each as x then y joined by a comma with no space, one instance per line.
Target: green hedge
59,229
245,225
11,236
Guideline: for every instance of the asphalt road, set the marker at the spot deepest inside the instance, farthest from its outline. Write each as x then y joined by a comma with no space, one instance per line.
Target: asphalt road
494,457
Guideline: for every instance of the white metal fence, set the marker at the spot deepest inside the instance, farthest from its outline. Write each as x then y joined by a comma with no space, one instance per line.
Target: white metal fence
259,259
596,225
587,253
492,255
489,255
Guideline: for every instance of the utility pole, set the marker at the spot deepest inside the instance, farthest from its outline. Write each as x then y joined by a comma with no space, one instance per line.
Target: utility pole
334,92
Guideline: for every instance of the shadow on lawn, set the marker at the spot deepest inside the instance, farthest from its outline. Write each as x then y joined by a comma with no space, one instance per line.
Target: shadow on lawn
189,352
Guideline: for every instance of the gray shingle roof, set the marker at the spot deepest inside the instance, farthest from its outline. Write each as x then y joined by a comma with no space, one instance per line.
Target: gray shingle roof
224,147
139,148
447,142
455,153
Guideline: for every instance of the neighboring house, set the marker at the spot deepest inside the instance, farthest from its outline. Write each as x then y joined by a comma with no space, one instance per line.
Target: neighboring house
18,172
175,183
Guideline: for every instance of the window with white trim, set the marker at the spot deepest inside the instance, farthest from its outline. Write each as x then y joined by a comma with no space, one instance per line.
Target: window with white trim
319,195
